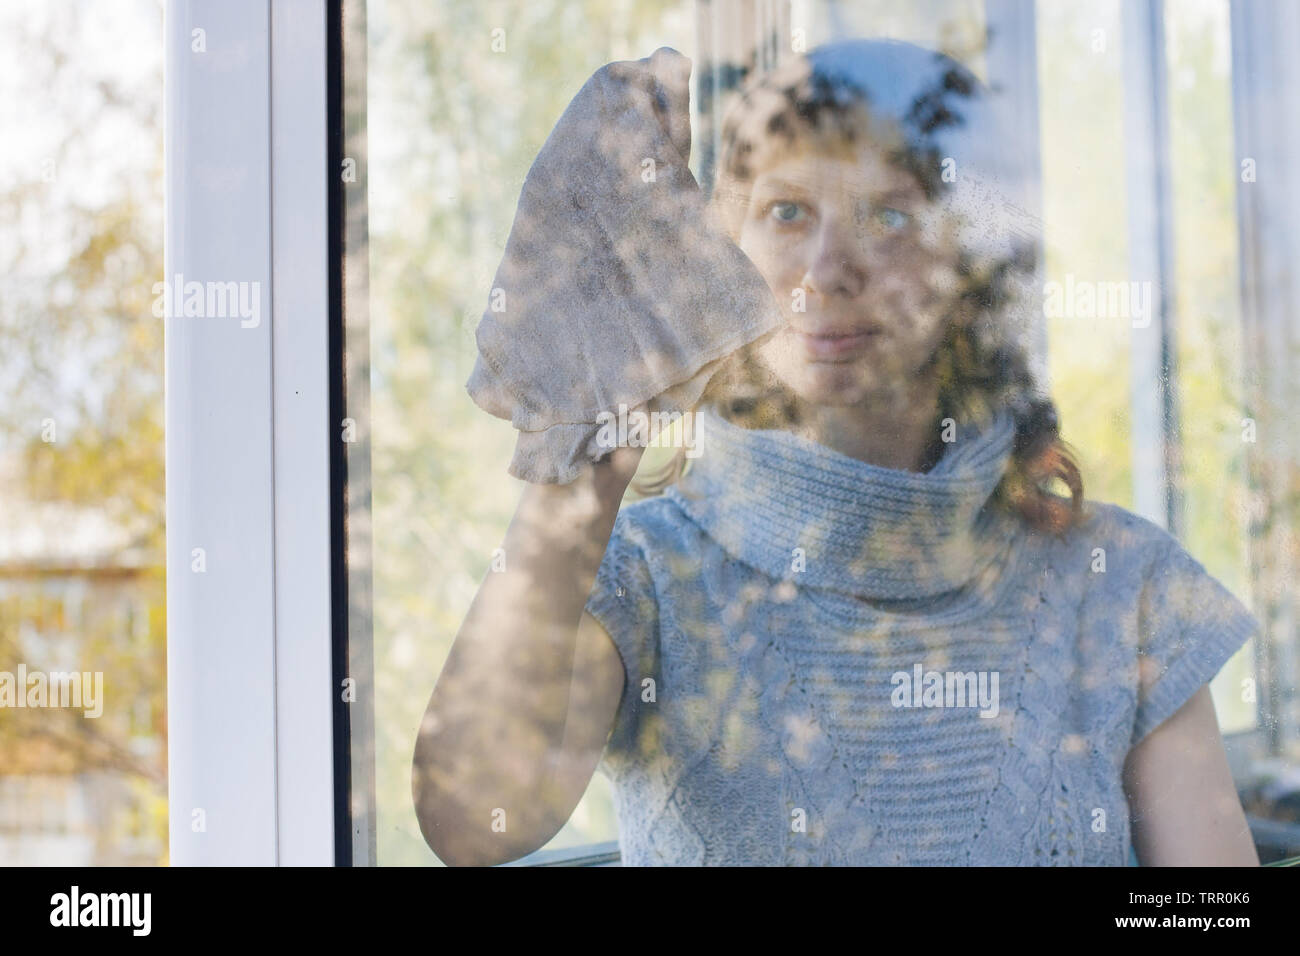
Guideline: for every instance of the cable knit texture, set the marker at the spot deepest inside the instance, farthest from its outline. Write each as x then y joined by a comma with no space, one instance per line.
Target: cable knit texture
775,610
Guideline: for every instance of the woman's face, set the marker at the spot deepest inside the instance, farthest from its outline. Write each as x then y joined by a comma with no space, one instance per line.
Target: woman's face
863,265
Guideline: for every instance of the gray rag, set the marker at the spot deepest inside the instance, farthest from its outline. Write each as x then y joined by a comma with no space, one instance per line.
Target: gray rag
615,287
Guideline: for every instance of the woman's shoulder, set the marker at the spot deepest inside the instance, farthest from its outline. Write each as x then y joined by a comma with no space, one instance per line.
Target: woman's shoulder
1130,555
656,525
1107,530
1106,561
667,546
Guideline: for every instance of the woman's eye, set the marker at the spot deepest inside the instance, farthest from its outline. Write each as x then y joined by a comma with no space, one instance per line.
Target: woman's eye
892,218
786,212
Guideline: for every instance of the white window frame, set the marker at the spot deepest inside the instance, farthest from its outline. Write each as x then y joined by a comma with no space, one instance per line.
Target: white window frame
250,684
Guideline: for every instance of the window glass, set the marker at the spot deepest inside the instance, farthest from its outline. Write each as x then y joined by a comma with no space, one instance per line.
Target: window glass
452,129
746,627
1211,382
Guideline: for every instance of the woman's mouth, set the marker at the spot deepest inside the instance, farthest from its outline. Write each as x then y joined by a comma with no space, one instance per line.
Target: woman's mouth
837,346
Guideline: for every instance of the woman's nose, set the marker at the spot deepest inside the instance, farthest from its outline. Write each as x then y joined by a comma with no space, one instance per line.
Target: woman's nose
839,264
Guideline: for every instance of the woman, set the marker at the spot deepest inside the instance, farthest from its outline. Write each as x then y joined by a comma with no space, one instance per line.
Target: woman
858,629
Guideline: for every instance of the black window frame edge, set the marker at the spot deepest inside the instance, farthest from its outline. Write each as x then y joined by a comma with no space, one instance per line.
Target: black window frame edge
342,730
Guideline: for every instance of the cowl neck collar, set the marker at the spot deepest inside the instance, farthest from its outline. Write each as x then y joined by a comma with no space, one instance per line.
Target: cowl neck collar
799,511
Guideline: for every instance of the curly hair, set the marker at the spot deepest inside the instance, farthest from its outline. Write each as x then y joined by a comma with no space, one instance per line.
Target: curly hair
978,365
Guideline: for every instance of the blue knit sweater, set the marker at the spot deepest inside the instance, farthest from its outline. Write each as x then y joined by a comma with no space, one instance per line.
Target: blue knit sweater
829,662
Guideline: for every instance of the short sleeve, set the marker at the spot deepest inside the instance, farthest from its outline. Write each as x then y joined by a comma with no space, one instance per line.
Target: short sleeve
623,601
1189,624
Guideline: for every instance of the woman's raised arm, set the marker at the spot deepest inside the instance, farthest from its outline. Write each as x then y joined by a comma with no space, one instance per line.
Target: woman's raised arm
521,711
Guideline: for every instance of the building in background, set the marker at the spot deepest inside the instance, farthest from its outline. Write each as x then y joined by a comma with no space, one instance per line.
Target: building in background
78,593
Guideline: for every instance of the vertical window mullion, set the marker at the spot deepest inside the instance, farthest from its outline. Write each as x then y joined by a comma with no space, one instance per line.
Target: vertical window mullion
1156,447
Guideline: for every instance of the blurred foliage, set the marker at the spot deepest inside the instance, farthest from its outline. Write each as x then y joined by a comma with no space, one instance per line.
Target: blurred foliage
80,249
1208,306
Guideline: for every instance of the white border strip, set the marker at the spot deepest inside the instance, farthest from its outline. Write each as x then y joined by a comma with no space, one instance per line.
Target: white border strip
300,269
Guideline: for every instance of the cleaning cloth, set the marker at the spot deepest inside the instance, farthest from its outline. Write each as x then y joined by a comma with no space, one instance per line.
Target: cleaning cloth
616,288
